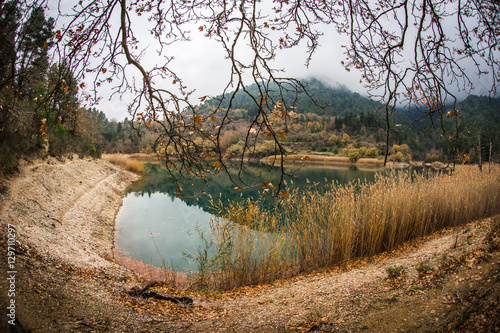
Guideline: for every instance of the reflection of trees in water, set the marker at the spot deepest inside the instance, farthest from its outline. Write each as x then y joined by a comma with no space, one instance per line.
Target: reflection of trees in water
218,186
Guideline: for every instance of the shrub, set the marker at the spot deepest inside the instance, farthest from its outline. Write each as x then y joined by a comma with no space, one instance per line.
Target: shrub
146,150
354,154
235,150
93,151
398,157
346,138
265,148
344,151
371,152
430,158
394,271
404,148
362,151
333,140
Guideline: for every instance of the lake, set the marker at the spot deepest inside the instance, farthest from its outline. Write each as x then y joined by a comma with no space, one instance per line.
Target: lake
159,228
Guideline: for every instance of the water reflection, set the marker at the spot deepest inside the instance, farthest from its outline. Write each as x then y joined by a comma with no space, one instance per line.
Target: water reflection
157,227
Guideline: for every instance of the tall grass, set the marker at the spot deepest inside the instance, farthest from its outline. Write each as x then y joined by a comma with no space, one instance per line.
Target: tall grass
323,159
126,163
309,230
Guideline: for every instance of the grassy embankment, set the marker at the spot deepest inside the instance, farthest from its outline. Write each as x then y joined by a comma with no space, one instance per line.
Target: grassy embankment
309,230
324,159
126,162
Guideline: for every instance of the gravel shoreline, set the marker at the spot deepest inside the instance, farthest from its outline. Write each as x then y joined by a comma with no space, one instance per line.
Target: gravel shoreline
66,212
63,214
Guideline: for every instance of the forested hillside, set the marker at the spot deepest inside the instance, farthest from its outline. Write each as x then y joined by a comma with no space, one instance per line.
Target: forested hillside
337,121
481,119
326,100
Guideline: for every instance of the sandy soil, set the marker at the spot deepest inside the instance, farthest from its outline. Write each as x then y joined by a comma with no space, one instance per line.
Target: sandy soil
67,280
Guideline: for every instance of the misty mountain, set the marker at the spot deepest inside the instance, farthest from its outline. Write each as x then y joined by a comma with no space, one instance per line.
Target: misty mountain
326,100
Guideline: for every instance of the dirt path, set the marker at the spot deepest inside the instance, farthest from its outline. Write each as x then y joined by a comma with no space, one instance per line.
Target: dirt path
66,279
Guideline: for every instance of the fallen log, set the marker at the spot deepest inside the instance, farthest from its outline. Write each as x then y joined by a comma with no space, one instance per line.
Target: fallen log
144,293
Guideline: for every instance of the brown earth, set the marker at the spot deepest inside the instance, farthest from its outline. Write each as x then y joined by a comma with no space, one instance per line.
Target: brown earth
67,280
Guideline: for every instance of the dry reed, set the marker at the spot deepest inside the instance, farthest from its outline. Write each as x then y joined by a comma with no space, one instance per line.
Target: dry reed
126,163
323,159
307,230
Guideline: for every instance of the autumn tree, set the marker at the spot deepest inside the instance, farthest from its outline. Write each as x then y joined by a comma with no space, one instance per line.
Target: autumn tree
410,52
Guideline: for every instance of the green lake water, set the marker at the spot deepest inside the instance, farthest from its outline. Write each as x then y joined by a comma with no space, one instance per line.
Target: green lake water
155,226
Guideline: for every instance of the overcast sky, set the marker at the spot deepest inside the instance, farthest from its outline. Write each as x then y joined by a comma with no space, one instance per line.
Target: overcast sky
201,64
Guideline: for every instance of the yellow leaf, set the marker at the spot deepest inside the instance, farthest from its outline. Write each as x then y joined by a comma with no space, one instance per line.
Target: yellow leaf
217,165
198,119
283,194
282,135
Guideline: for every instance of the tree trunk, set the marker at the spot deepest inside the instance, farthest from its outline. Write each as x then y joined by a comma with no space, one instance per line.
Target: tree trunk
479,152
489,160
387,135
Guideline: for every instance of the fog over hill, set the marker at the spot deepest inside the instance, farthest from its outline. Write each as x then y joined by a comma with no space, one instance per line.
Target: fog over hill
326,99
